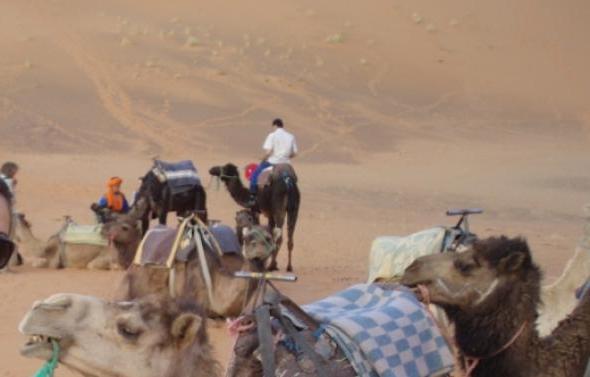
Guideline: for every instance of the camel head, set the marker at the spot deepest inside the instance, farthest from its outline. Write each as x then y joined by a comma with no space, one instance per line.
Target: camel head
125,233
258,244
225,172
478,278
246,218
151,337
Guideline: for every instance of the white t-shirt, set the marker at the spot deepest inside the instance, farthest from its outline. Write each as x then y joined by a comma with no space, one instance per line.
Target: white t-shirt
282,144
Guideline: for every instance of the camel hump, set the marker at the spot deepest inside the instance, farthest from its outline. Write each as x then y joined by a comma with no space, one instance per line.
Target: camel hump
275,172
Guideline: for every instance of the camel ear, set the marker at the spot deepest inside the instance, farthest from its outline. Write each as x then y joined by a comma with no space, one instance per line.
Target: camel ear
185,329
512,262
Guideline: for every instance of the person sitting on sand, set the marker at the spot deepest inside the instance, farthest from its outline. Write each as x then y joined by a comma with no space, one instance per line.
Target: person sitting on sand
113,200
279,148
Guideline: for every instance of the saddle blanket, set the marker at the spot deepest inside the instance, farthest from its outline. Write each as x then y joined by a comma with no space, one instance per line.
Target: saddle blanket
384,332
84,234
157,244
226,238
274,171
391,255
180,176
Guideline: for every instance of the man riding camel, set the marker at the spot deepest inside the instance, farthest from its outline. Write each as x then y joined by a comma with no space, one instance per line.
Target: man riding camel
113,200
279,148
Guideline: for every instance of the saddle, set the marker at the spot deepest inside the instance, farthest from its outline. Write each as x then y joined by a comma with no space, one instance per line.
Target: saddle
276,171
179,176
164,246
83,234
391,255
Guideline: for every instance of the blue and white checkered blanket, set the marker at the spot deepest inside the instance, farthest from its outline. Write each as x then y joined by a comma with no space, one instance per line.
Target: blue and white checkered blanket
386,333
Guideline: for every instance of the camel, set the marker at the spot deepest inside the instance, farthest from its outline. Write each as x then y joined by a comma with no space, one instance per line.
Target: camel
277,200
230,294
559,298
56,254
245,218
151,337
160,198
491,293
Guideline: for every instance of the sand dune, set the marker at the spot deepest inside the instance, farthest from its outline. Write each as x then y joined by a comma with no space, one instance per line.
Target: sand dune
402,109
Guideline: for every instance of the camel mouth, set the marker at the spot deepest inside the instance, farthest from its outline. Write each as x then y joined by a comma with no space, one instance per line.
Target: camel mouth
39,346
414,286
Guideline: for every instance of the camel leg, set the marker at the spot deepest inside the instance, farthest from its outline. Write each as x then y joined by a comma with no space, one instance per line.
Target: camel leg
145,223
40,262
273,259
162,217
277,232
292,213
102,262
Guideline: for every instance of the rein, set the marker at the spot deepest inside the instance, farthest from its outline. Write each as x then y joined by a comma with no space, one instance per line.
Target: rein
49,367
471,362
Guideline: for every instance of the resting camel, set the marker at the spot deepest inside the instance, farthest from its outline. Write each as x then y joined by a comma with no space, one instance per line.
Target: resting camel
245,218
55,254
151,337
229,294
277,200
491,293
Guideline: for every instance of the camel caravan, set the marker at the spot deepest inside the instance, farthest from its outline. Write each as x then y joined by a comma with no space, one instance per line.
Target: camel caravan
441,302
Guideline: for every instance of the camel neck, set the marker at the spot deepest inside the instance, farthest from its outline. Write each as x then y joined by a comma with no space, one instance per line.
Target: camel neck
237,190
484,333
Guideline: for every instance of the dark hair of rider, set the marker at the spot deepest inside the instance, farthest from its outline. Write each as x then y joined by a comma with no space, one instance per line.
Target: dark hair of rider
278,122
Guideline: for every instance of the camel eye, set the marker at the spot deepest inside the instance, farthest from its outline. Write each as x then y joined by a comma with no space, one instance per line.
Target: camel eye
128,332
463,267
125,228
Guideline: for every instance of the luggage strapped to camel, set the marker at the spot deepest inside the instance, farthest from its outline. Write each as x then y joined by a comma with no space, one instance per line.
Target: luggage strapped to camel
263,307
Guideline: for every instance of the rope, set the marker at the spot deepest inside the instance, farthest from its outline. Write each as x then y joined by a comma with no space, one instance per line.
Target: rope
48,368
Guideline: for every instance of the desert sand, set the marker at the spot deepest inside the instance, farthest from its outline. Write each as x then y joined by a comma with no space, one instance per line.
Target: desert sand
402,109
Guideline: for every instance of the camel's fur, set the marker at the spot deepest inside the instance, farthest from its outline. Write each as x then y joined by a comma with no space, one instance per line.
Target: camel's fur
491,292
152,337
55,254
230,294
559,298
276,201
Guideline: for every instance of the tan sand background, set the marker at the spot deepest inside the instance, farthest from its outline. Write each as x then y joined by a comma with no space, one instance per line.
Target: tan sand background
402,109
